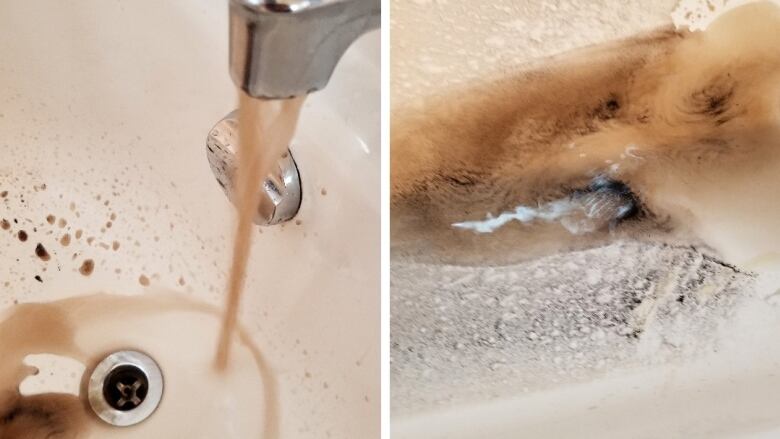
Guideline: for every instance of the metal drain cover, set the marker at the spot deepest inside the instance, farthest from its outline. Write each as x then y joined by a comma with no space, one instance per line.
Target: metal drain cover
125,388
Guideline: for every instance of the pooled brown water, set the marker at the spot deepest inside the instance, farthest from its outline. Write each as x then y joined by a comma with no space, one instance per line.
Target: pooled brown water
265,130
34,329
78,328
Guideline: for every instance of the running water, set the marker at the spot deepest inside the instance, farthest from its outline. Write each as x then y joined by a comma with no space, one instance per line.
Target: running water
265,130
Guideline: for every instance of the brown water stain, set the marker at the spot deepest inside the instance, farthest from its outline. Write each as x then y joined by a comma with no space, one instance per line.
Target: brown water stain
42,253
673,115
87,267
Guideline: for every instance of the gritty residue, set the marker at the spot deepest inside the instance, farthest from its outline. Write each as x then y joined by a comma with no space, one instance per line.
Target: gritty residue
696,15
437,44
554,320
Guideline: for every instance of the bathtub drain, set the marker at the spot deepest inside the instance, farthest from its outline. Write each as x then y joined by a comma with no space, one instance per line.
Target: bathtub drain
125,388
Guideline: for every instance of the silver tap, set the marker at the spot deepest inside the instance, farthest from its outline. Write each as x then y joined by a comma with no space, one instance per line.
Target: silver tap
285,48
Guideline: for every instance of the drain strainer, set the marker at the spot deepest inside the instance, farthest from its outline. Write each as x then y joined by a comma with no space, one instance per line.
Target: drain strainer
125,388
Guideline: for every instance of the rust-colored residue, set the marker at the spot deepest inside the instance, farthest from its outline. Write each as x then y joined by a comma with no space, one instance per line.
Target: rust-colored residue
87,267
41,252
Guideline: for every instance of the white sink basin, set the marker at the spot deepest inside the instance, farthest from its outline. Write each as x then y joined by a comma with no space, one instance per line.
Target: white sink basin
108,105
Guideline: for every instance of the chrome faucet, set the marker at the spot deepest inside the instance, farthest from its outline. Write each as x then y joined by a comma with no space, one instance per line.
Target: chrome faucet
280,49
285,48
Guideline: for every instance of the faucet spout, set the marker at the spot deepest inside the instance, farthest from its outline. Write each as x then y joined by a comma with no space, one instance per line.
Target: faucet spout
285,48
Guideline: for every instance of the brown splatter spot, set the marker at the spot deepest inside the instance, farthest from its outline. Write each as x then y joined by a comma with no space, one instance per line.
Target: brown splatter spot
38,278
324,192
109,224
41,252
22,235
72,206
298,222
50,219
181,281
113,216
87,267
5,224
143,280
115,245
90,240
78,234
62,223
3,194
65,240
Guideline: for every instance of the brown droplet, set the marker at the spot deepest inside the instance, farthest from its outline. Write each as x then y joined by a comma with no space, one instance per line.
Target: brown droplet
5,224
62,223
41,252
90,239
324,191
38,278
78,234
22,235
298,222
50,219
65,240
115,245
87,267
113,216
109,224
181,281
72,206
143,280
3,194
